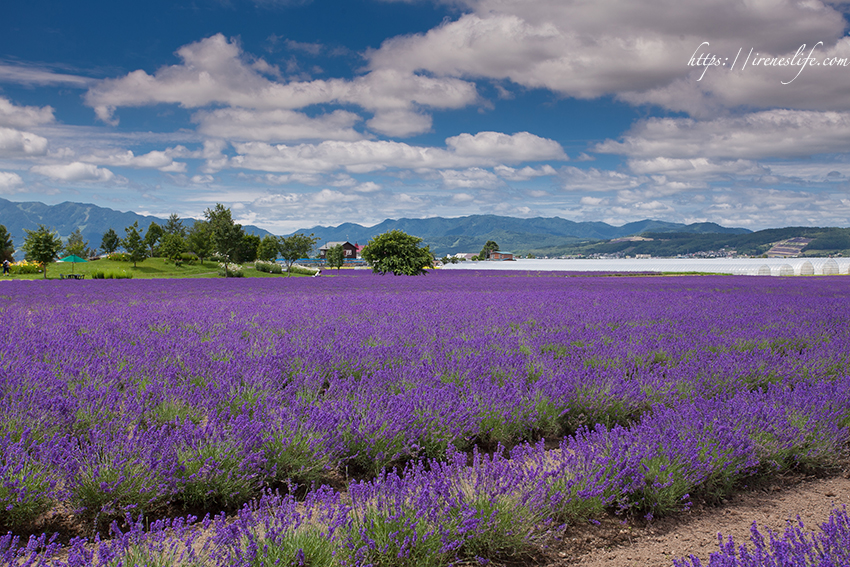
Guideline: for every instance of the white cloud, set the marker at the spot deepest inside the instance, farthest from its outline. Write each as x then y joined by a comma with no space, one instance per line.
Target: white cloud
770,133
18,143
470,178
32,75
276,125
10,182
696,167
399,122
215,71
160,160
72,172
589,49
366,155
593,179
524,174
14,116
515,148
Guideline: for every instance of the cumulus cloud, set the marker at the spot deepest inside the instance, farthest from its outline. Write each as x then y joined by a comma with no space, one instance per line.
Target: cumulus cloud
10,182
485,149
589,49
152,160
524,174
473,177
73,172
216,71
15,143
243,124
696,167
770,133
14,116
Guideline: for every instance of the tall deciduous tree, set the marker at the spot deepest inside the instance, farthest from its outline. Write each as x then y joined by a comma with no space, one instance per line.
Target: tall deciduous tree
335,256
199,240
225,234
399,253
248,248
489,247
7,247
42,246
152,236
293,247
134,244
110,241
172,246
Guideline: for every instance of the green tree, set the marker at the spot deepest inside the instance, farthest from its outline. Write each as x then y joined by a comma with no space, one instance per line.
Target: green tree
225,234
248,248
489,247
78,246
291,248
172,246
199,240
267,250
335,256
7,247
134,244
110,242
42,246
399,253
152,237
174,226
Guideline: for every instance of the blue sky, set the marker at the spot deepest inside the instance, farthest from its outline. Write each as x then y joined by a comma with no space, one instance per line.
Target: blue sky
297,113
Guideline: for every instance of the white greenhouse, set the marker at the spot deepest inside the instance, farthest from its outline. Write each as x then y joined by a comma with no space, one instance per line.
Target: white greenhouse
736,266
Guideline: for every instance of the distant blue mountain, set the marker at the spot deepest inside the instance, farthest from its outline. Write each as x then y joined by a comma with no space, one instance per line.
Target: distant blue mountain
468,234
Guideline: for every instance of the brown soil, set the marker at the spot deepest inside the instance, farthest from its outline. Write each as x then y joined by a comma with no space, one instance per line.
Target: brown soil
618,543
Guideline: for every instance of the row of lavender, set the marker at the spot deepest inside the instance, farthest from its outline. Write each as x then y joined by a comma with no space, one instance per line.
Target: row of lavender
145,397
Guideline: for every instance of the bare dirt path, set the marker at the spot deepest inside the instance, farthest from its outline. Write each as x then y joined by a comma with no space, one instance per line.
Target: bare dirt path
614,543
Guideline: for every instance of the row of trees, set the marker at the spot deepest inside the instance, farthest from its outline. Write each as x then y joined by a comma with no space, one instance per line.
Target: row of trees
218,235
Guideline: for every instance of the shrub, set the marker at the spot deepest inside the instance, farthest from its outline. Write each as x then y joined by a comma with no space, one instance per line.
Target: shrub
303,270
119,257
188,258
25,267
230,270
111,275
268,267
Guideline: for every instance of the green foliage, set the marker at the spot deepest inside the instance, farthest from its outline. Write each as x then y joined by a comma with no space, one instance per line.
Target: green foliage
398,253
267,250
77,246
110,242
152,237
489,247
228,270
174,226
24,493
210,475
24,268
7,248
248,248
226,235
42,246
268,267
305,546
199,240
172,247
111,275
291,248
335,256
134,244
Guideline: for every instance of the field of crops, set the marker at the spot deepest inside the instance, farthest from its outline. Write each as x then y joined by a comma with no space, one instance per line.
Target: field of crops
368,420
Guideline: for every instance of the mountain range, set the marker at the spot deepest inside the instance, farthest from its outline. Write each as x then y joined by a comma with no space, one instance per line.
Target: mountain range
542,236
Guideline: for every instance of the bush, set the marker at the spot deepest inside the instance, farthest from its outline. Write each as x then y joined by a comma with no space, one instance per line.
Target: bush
268,267
188,258
25,267
111,275
230,271
304,271
119,257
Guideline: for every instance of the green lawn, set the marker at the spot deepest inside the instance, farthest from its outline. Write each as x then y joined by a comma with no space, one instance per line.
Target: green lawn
150,268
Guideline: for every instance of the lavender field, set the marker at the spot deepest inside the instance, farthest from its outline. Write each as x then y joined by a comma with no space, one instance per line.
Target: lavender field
368,420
